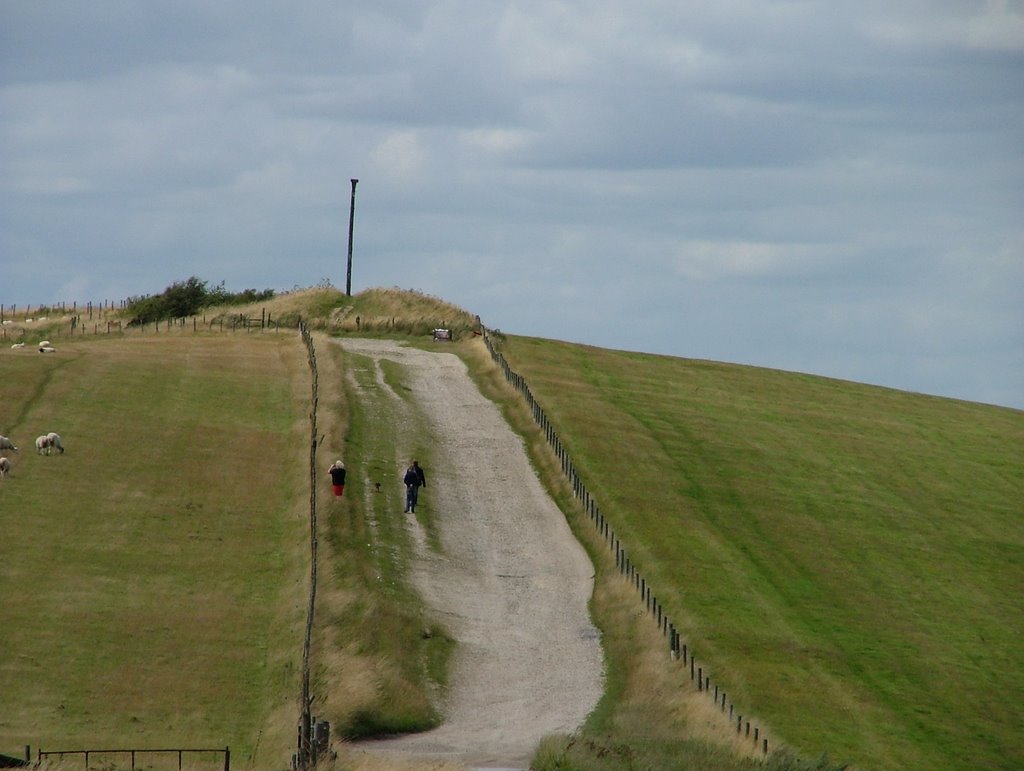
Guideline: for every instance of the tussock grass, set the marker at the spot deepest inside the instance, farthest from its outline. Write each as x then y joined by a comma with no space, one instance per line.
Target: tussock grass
376,311
405,312
847,559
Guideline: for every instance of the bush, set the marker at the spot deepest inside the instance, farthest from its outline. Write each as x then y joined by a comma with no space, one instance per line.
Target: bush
187,298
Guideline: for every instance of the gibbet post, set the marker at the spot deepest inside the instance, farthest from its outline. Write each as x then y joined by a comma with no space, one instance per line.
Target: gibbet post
351,223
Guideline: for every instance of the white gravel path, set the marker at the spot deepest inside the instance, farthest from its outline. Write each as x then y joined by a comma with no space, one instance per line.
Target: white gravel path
511,582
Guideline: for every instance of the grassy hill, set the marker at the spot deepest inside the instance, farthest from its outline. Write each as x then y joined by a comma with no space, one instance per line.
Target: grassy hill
848,559
152,575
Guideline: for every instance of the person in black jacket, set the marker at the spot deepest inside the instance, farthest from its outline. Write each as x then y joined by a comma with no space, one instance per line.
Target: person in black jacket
414,479
337,472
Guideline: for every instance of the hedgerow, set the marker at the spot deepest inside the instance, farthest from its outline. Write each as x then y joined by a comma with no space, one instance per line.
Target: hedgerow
187,298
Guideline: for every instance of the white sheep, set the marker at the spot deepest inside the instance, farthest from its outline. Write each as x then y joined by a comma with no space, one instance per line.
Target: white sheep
5,467
47,349
18,345
43,444
7,444
45,343
54,440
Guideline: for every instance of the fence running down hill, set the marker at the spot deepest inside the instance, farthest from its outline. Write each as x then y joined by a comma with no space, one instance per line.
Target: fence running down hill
311,737
678,649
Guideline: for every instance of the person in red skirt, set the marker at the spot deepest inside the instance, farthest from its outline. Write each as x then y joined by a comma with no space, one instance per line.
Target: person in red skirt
337,472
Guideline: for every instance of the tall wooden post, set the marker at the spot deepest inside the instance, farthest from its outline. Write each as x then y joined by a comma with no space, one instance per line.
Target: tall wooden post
351,221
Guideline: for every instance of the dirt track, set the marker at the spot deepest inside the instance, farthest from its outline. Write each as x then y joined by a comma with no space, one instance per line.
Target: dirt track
511,581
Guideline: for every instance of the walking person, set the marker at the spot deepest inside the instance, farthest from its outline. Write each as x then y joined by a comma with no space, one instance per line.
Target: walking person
337,472
414,479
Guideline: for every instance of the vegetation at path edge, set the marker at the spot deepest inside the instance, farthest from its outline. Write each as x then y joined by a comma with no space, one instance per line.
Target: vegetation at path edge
379,659
848,559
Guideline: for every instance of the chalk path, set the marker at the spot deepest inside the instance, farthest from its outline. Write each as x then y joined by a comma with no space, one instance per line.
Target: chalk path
511,582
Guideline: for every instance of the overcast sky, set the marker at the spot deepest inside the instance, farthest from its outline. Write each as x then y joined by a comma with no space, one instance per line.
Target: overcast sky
824,186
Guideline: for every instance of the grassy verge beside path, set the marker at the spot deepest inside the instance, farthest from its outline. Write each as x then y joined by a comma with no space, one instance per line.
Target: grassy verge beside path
847,558
379,659
650,715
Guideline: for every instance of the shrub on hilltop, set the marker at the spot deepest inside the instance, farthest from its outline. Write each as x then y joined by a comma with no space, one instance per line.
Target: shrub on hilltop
187,298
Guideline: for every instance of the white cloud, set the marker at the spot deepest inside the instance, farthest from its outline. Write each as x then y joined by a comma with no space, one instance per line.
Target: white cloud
722,260
995,25
33,183
400,158
499,141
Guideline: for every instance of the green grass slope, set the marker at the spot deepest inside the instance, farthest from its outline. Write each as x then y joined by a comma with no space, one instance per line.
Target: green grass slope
152,581
848,560
154,578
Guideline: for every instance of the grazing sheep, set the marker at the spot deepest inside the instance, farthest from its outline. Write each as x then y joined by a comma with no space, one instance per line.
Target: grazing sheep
7,444
18,345
54,440
5,467
45,343
43,444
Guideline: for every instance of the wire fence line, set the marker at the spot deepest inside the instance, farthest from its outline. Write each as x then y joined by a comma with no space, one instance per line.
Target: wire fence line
678,649
305,755
9,311
78,327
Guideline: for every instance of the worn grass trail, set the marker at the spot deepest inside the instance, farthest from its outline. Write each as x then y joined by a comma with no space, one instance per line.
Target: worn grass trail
378,658
152,576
